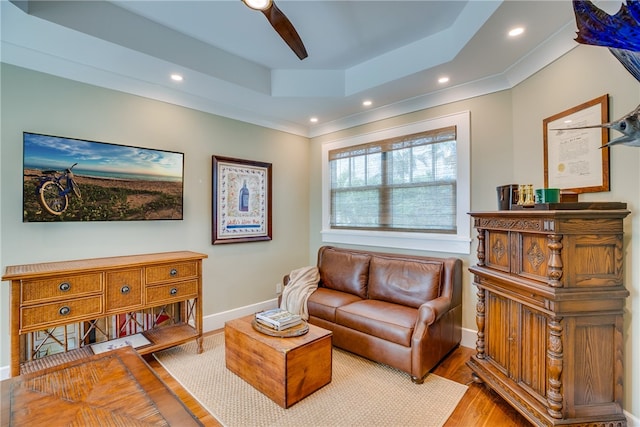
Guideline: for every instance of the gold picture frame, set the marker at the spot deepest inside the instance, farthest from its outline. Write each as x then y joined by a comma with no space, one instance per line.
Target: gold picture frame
575,159
241,200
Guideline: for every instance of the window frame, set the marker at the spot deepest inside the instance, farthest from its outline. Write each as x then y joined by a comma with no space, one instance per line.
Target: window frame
459,243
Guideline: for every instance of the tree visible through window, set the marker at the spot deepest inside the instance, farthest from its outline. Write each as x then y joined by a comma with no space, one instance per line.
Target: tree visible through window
407,183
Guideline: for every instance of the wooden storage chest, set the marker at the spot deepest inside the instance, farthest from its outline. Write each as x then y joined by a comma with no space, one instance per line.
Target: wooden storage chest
284,369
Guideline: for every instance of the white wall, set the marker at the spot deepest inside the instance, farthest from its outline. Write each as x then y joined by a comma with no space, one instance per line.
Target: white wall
507,147
235,275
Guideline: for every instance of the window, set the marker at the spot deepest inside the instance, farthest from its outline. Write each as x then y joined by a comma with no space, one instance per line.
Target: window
405,187
400,184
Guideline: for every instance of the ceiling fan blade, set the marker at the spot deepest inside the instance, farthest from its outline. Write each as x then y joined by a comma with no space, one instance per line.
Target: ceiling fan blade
285,28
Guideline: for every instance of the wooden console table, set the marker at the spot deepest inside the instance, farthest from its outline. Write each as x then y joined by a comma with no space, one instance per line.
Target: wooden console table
550,308
158,295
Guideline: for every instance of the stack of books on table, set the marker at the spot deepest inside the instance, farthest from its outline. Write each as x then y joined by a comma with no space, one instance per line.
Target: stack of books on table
278,319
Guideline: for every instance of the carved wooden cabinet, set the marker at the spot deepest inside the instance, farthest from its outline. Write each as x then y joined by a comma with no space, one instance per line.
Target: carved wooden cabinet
549,313
60,309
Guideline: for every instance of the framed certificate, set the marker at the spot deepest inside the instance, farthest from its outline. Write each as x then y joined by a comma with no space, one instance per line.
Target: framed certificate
575,159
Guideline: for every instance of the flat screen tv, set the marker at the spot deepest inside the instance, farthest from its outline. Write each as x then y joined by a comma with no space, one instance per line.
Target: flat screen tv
67,179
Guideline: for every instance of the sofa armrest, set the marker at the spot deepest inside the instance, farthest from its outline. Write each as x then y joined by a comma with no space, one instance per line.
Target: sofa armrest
438,330
431,311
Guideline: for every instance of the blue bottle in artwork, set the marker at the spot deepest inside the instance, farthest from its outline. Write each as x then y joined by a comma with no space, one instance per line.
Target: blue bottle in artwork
243,205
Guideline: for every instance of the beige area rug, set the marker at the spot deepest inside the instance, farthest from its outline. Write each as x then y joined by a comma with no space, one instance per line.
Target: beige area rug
361,393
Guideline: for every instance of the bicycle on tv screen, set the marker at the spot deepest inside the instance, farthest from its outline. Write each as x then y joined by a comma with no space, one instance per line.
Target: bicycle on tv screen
68,179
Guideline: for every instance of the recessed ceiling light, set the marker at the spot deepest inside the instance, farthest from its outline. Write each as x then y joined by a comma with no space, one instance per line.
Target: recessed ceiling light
176,77
367,103
313,120
443,79
516,31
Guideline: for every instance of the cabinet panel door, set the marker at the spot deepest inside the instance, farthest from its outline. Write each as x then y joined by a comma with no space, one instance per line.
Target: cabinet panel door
533,368
595,261
498,250
594,350
498,331
533,256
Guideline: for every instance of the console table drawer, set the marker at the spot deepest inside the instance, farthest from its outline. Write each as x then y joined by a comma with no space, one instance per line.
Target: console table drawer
172,292
37,317
64,287
124,289
162,273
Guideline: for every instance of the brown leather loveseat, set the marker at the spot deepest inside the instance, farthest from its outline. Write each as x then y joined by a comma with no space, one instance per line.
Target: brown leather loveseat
401,310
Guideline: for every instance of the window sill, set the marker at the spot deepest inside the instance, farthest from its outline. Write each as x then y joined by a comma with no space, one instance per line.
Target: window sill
413,241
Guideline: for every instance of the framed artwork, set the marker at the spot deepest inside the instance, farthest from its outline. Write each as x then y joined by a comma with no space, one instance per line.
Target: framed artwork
241,200
70,179
574,157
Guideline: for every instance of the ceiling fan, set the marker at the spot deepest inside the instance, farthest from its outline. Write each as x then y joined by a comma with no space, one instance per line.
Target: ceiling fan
281,24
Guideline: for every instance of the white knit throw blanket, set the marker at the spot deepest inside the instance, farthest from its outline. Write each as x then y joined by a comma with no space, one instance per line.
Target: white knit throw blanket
302,282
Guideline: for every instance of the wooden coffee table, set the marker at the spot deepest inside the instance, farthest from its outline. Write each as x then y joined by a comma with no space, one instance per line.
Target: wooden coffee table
112,388
284,369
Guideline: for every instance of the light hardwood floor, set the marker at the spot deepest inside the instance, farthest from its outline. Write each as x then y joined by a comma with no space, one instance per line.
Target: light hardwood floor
479,405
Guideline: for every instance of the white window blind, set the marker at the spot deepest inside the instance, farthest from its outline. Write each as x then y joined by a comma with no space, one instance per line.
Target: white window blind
406,183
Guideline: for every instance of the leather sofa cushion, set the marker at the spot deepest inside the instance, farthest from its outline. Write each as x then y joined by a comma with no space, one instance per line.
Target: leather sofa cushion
323,303
410,283
344,271
390,322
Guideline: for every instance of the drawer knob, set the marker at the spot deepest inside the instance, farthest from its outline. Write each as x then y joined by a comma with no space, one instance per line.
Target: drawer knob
173,272
64,286
173,291
125,289
65,310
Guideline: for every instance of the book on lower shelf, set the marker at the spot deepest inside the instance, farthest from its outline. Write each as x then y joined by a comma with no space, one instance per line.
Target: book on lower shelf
135,341
278,319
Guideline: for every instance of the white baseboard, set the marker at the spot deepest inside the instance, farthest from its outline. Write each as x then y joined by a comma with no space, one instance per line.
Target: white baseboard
632,421
469,337
216,321
4,372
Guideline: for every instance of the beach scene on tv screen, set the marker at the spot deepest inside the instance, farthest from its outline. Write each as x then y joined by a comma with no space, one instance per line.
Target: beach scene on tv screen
67,179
